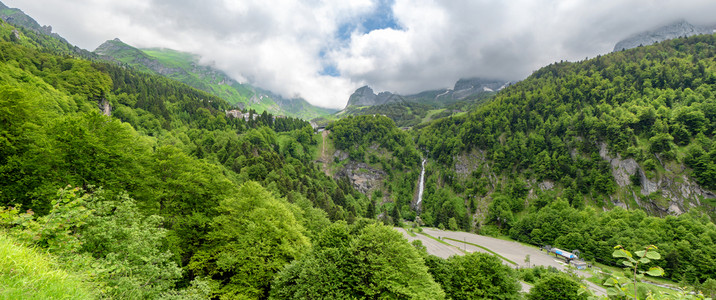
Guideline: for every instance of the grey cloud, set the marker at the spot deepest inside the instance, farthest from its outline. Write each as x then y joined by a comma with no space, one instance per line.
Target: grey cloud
276,45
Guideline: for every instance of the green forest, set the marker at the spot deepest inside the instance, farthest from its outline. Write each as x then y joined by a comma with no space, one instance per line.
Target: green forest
652,104
168,197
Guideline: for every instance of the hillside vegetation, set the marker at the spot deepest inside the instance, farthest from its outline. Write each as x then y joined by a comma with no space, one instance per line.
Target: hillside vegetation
630,133
136,199
633,129
169,198
27,274
164,195
187,68
416,110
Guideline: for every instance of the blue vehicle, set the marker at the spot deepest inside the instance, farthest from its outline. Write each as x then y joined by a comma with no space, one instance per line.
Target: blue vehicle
567,255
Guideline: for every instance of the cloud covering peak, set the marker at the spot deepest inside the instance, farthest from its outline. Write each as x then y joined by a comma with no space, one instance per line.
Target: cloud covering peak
323,50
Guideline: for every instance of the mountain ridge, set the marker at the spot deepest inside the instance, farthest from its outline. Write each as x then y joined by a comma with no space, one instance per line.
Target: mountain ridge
186,67
680,28
464,88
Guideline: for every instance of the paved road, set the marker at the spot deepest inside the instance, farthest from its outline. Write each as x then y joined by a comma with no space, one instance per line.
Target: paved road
434,247
513,251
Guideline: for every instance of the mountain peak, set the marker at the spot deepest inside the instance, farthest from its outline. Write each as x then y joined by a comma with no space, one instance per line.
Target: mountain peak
364,96
680,28
466,87
17,17
111,45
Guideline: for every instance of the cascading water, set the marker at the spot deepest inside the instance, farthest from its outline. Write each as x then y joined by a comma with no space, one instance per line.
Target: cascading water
421,185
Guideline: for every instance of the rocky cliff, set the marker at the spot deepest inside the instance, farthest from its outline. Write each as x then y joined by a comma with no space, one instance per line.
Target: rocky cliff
671,31
473,86
363,177
19,18
464,88
671,192
668,192
365,96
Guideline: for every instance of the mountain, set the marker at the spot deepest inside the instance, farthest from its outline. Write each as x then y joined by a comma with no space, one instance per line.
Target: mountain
38,35
471,87
616,150
464,89
17,17
163,165
169,178
365,96
186,68
423,107
677,29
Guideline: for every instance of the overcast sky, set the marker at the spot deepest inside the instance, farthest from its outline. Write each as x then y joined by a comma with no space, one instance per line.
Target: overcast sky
322,50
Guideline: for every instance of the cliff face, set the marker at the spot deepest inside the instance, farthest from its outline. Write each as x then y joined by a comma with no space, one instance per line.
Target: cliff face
365,96
671,192
671,31
473,86
363,177
464,88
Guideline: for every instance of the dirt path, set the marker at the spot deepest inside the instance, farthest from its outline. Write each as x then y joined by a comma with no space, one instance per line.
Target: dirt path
513,251
324,158
324,136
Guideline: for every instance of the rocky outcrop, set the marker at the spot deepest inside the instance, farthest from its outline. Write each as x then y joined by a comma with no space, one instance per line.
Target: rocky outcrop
365,96
464,88
622,169
18,18
677,191
363,177
340,155
671,31
105,107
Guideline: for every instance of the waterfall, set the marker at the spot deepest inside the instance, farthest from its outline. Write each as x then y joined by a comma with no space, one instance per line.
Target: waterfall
421,185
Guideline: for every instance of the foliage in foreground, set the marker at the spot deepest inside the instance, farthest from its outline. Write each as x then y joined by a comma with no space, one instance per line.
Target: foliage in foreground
27,274
624,285
474,276
118,249
252,238
556,286
686,241
362,261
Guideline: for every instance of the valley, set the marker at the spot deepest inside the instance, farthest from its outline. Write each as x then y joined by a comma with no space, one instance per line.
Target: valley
147,173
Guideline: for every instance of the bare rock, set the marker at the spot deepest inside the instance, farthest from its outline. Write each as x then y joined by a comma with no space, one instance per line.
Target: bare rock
340,155
622,169
546,185
677,192
363,177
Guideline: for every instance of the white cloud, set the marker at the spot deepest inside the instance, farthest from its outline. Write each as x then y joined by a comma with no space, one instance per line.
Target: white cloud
278,44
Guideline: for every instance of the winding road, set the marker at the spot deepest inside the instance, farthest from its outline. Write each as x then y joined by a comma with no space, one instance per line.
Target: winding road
510,250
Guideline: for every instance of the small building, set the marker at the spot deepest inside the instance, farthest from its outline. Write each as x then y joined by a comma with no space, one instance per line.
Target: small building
578,264
235,113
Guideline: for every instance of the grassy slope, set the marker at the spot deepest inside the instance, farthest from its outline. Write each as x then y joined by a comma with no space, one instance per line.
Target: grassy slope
27,274
219,84
202,77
